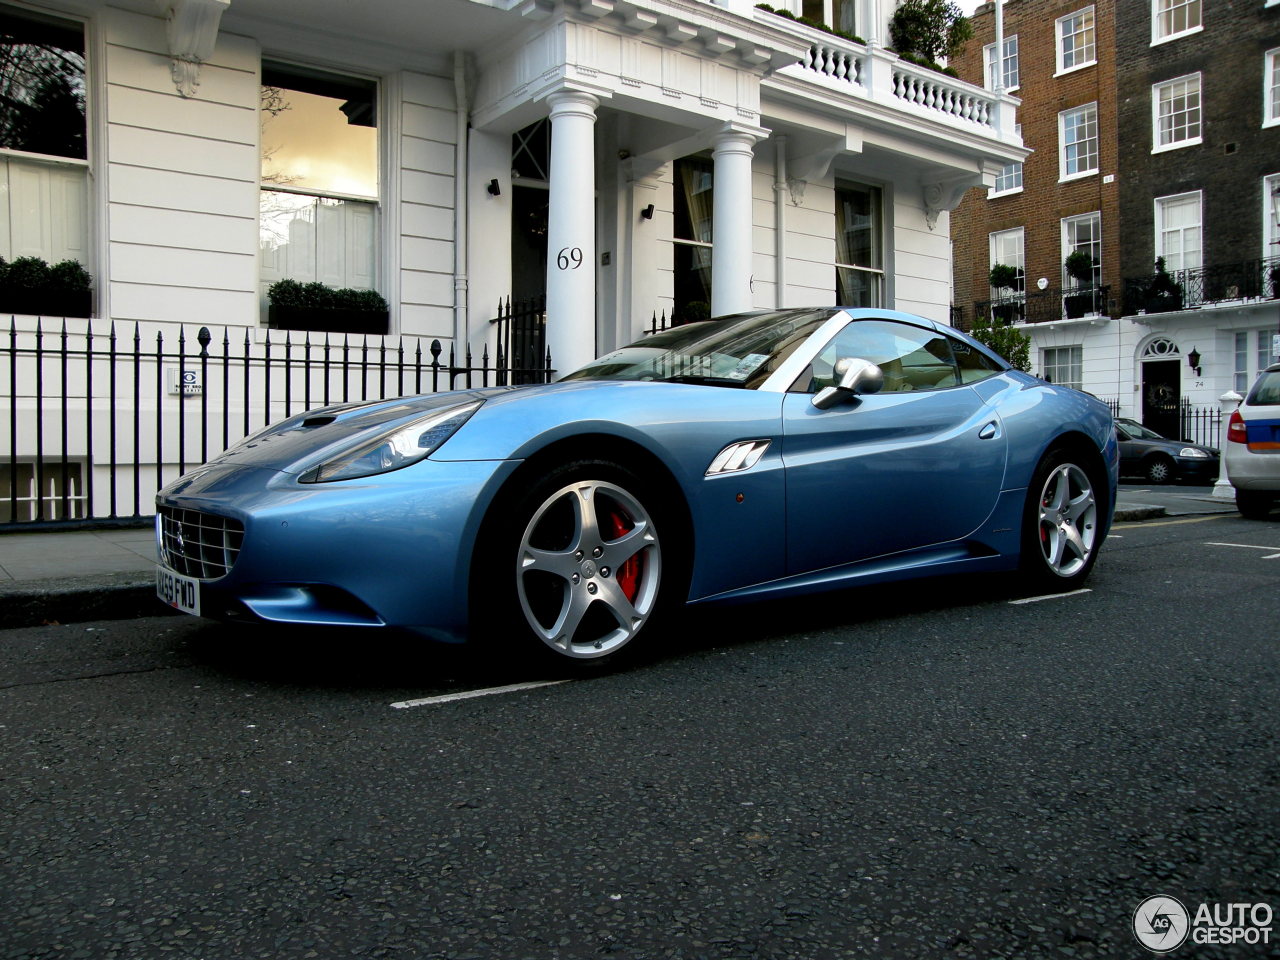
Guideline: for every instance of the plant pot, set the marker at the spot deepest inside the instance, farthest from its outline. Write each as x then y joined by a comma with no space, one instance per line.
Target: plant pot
1163,302
46,303
318,320
1005,313
1078,305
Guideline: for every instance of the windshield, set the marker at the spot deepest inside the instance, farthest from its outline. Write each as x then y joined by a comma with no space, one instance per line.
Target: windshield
1138,432
1266,392
735,351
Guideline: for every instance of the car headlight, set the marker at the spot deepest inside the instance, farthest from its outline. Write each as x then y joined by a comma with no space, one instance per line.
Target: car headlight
400,446
1193,452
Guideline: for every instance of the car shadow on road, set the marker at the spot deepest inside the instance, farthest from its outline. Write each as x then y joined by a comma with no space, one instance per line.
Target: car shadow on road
390,662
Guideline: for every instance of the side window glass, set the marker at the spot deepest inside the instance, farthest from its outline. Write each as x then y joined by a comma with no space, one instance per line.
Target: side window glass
911,357
974,365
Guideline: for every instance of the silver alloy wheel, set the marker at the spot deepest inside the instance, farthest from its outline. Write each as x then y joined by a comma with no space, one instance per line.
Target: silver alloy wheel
1159,471
1068,520
588,569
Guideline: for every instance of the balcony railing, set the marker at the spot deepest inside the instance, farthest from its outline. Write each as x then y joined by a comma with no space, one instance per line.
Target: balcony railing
843,65
1044,306
1191,289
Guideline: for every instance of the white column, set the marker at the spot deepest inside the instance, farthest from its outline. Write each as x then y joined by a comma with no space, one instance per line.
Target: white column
731,223
571,232
1227,404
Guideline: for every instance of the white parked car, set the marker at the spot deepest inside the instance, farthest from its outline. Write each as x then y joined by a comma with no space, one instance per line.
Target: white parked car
1253,446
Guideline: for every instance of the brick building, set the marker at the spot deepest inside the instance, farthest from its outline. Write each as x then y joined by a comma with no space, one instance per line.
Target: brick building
1187,170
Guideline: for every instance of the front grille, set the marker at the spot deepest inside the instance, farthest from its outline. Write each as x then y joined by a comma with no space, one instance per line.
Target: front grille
200,545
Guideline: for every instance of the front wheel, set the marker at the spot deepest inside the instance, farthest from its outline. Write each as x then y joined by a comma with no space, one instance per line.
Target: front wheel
1060,523
579,564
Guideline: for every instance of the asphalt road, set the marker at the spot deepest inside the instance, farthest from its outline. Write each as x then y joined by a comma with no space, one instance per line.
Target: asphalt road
923,771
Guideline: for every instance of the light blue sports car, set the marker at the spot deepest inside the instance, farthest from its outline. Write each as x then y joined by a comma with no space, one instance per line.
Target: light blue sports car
766,454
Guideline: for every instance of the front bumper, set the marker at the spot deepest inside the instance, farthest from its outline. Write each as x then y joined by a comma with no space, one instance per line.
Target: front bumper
387,551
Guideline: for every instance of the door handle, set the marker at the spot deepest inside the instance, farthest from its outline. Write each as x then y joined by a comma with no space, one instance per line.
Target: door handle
990,431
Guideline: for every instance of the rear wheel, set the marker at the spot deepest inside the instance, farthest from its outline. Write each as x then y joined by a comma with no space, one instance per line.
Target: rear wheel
1060,523
1159,470
578,563
1254,504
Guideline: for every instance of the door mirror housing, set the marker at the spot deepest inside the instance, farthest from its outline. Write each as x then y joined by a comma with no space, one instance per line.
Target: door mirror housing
854,376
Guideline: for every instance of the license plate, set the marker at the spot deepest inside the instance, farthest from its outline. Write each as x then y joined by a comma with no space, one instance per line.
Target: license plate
182,593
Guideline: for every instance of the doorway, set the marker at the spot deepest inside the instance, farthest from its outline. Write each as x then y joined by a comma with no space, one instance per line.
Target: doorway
1161,394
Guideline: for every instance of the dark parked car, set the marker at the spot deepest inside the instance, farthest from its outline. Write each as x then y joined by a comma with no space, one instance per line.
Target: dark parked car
1145,453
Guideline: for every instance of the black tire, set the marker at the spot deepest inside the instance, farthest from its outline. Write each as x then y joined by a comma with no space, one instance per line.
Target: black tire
1159,470
1254,504
573,567
1060,522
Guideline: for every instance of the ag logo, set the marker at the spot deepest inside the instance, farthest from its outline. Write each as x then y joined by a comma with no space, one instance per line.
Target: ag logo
1161,924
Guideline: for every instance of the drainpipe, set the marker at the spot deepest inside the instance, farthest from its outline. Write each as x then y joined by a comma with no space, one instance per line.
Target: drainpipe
460,207
780,218
997,75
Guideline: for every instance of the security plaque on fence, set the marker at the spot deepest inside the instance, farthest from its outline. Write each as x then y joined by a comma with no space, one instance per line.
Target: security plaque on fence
184,381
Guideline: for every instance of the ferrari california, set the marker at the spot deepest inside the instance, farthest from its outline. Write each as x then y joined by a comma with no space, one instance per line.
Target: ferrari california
768,454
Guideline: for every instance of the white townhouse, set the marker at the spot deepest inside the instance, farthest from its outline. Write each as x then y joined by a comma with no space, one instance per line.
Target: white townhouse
619,158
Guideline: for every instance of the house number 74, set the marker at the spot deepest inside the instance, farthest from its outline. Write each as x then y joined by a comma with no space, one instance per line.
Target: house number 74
569,258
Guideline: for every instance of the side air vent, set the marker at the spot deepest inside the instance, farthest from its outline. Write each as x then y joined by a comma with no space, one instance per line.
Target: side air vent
742,455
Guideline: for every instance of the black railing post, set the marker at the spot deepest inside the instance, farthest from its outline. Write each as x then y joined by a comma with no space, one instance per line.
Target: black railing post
204,336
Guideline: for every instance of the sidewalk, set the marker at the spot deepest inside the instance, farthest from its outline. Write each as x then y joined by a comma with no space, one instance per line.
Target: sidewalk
76,576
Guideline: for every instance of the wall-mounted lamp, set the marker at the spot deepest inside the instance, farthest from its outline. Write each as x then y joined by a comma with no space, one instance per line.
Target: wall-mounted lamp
647,213
1193,360
493,189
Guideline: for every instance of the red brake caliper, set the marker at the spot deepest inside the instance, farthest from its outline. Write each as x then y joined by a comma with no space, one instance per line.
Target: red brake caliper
628,575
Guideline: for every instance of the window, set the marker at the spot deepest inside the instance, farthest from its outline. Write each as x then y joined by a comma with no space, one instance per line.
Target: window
1260,356
1175,113
859,246
1078,137
837,14
1076,42
1178,237
1008,180
43,157
318,218
1271,219
691,240
1062,365
910,357
1084,234
1271,88
1009,65
1174,18
1007,249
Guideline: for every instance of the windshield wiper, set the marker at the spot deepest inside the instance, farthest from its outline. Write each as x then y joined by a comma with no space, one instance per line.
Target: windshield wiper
706,381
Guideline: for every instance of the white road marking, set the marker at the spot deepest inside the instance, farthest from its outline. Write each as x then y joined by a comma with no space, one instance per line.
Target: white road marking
469,694
1247,546
1053,596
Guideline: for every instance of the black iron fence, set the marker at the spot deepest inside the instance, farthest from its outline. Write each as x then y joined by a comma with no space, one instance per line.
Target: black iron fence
1203,286
95,417
1202,425
1043,306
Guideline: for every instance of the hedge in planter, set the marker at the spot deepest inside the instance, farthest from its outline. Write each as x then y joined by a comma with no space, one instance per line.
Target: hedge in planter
29,285
313,306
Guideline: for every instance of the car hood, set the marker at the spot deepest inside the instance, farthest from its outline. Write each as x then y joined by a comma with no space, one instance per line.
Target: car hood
289,444
1172,447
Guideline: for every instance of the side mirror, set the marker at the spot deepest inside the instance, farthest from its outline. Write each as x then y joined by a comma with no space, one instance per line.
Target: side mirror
853,376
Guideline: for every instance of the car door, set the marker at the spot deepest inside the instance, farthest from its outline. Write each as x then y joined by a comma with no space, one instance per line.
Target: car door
919,463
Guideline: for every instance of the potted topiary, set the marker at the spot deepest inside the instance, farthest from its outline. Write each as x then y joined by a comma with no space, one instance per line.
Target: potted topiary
292,305
1003,277
29,285
1079,267
1164,294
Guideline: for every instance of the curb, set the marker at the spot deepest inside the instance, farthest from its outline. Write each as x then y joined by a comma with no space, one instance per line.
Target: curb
1138,511
79,599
